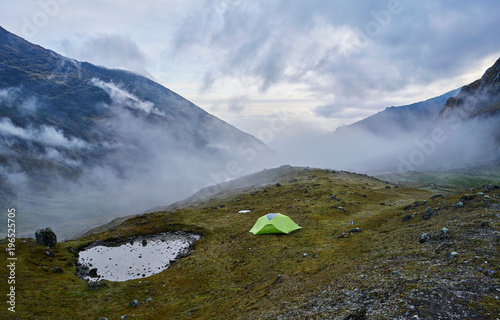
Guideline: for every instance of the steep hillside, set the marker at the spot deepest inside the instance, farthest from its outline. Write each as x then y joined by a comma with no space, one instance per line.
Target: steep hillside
415,117
367,250
481,97
79,142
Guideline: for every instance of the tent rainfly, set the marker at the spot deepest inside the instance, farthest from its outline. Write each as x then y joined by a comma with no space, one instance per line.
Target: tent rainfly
274,223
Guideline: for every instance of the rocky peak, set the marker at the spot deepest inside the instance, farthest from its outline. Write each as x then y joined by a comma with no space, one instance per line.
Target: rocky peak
481,97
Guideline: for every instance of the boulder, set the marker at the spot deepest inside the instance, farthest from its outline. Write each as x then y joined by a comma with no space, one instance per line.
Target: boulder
407,217
424,237
134,303
428,213
46,237
57,270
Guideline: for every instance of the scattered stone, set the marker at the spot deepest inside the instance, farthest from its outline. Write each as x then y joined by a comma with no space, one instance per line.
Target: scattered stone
49,252
346,234
278,184
467,197
424,237
93,273
305,255
279,278
443,234
144,242
407,217
46,237
149,299
123,317
387,187
362,276
222,206
134,303
485,224
438,195
102,318
489,272
341,209
453,255
460,204
408,207
57,270
417,204
382,203
358,314
428,213
489,187
94,285
343,235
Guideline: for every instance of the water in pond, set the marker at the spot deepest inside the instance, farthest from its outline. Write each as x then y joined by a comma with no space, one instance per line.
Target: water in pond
138,258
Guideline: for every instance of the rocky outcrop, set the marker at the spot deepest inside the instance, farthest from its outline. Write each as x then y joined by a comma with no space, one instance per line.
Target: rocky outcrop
46,237
481,97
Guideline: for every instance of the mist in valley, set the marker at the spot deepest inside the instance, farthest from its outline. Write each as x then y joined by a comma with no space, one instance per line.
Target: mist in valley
53,179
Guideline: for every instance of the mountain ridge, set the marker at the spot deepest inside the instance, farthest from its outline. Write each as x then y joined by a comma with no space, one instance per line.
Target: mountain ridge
69,125
481,97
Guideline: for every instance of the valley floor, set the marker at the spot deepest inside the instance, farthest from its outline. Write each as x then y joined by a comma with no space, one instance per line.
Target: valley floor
367,250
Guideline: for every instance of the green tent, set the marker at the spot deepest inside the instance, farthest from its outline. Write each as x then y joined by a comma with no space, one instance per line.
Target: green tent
274,223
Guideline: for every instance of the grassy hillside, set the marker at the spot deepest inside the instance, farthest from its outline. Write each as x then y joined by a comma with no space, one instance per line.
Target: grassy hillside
321,271
453,180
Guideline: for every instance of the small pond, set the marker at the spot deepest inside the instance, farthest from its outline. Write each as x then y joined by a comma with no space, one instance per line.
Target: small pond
139,257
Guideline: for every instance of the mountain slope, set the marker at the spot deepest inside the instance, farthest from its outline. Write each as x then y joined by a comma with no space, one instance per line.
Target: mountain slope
396,263
481,97
402,119
469,123
77,139
374,144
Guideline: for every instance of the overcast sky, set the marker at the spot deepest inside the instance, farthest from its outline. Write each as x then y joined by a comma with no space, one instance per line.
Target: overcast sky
317,64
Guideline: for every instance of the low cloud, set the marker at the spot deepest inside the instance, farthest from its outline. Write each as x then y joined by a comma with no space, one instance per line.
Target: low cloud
46,135
237,104
123,98
112,51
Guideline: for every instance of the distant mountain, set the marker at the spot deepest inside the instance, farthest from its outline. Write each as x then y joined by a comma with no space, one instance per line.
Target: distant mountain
78,141
470,123
403,119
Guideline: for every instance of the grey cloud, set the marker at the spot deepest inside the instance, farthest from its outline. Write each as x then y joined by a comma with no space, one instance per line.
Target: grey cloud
126,99
328,110
307,42
47,135
237,104
110,50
